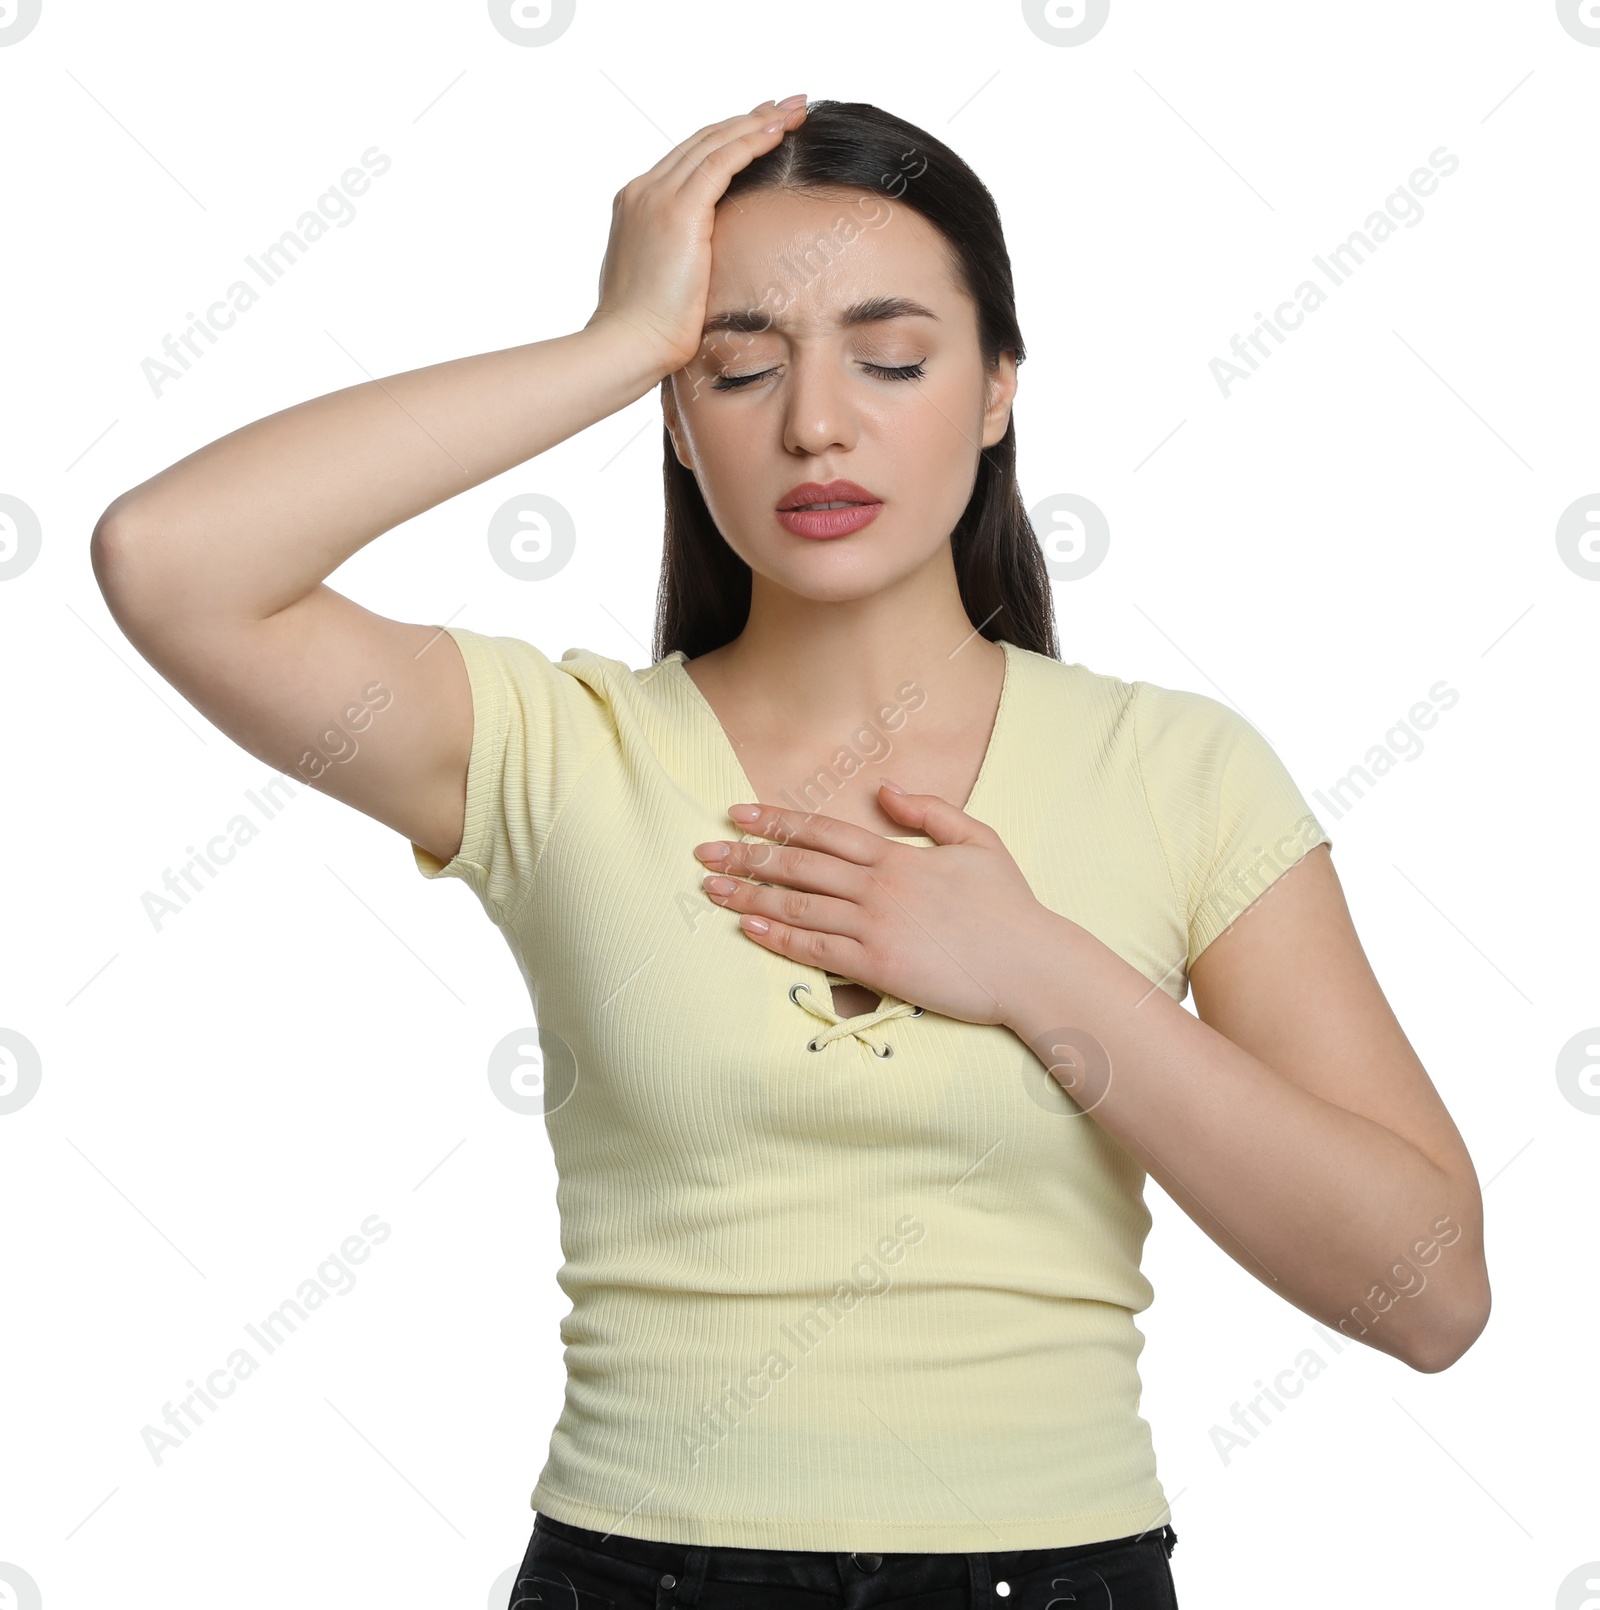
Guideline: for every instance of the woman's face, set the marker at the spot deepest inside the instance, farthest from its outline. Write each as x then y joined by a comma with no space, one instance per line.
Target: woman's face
822,403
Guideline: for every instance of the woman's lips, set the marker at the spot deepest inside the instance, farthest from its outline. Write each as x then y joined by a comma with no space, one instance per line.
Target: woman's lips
828,522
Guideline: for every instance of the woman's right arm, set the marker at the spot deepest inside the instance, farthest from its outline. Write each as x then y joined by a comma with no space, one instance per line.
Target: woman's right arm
215,568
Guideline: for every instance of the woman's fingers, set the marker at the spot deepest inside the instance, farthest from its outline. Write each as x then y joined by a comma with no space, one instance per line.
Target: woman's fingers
711,162
672,158
811,830
798,908
811,870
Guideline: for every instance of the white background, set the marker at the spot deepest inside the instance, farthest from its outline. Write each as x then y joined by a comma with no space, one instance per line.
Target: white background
226,1099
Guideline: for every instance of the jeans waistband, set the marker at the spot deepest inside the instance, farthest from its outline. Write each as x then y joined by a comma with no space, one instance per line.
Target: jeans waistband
822,1570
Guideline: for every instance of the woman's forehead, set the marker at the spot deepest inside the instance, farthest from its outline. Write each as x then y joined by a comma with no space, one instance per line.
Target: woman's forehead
787,283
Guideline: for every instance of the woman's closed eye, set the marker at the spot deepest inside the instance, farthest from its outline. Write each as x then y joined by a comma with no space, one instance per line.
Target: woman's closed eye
909,371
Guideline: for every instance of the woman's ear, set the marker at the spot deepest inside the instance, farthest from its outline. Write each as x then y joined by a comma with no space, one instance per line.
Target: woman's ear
673,421
1000,388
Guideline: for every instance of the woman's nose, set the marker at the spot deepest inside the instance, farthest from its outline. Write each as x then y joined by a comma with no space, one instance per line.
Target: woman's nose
818,409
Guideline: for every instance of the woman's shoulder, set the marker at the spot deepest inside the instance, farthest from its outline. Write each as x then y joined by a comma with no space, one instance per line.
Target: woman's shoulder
1071,687
1075,673
1166,725
1184,718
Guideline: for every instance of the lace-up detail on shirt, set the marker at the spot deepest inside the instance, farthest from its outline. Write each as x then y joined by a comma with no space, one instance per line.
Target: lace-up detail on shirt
887,1009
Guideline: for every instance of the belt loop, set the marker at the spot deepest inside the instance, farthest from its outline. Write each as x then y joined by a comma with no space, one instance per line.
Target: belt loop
686,1590
982,1579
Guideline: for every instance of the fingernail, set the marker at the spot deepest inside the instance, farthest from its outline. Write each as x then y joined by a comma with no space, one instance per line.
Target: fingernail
744,813
894,788
789,102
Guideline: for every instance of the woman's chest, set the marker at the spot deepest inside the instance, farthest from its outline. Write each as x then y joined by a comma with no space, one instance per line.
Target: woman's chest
847,786
619,939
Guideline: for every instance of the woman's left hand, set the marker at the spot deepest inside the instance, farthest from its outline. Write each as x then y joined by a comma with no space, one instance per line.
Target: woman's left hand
950,927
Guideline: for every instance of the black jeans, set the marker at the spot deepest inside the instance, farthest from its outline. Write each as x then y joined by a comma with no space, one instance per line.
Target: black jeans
572,1568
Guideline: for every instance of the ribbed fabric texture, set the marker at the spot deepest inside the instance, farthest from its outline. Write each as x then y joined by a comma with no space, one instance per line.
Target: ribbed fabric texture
834,1299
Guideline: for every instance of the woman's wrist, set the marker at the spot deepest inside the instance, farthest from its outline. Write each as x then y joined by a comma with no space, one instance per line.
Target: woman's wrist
1041,974
639,361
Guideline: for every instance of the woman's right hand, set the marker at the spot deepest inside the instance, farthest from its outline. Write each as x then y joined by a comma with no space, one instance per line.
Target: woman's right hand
657,269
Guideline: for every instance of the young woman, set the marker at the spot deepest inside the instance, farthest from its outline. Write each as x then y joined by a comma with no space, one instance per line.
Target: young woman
851,1169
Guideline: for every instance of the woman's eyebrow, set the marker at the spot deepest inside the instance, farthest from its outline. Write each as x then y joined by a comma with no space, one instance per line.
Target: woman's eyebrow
874,310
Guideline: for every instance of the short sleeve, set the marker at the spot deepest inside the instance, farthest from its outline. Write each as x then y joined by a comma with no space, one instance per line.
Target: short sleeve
536,725
1230,817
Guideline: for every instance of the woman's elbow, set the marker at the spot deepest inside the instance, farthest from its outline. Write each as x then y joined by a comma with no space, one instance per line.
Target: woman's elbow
1438,1346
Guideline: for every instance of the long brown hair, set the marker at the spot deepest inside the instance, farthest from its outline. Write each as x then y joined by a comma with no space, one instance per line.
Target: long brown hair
704,596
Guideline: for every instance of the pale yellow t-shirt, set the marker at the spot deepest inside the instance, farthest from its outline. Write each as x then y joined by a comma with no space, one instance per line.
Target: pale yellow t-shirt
880,1294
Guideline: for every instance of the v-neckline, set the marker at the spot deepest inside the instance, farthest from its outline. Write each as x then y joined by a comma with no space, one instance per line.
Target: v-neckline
986,766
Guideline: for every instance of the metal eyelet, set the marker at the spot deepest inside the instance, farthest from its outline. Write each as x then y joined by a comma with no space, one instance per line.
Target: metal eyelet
793,987
887,1051
916,1011
811,1045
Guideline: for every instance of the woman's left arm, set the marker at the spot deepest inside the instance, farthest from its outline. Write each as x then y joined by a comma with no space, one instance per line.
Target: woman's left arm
1291,1119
